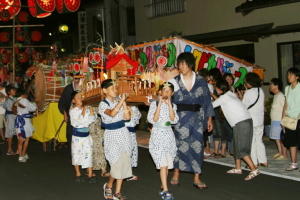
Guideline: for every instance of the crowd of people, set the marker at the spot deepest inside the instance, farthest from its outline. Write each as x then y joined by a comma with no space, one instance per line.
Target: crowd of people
190,110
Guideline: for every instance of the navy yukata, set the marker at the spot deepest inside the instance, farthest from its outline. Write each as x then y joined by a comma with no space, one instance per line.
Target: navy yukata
191,125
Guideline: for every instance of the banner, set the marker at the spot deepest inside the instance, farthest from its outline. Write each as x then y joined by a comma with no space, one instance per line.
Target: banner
206,57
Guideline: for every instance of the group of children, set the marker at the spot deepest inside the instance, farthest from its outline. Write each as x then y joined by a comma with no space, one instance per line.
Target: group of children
19,110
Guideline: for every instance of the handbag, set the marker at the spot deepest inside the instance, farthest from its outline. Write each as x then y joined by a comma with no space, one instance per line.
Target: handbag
287,121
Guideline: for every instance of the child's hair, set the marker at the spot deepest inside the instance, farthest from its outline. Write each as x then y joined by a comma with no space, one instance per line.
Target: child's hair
74,93
223,85
253,79
107,83
20,92
203,72
278,82
9,88
163,85
188,58
215,73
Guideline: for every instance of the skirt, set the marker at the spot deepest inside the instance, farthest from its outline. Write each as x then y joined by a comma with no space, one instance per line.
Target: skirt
275,130
242,139
82,151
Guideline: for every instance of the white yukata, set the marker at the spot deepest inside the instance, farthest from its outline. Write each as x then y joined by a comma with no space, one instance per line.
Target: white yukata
82,147
135,118
10,129
117,142
162,144
29,107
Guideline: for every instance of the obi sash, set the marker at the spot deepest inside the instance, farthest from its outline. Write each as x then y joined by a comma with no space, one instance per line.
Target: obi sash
114,126
20,122
188,107
131,129
162,124
81,132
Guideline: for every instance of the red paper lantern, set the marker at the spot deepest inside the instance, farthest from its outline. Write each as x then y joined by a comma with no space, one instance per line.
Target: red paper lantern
36,36
4,36
37,56
14,10
23,16
22,57
21,36
47,6
36,11
72,5
5,4
5,57
5,15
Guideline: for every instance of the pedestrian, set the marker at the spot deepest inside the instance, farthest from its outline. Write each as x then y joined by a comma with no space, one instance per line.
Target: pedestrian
276,115
23,125
254,100
81,116
292,109
195,112
10,130
134,120
240,120
117,139
162,145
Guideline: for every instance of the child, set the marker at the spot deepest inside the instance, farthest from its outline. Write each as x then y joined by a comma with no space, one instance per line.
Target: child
3,96
23,124
162,146
82,144
240,120
135,117
10,130
117,139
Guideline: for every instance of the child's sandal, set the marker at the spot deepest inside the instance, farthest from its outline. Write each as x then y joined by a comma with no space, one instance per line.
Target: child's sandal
80,179
234,171
119,196
107,192
167,195
252,174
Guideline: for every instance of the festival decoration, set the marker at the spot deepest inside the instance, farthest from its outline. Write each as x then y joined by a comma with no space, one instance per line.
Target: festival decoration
23,16
22,57
64,6
46,5
5,57
36,11
94,56
36,36
37,56
15,8
20,36
5,15
161,62
63,28
4,36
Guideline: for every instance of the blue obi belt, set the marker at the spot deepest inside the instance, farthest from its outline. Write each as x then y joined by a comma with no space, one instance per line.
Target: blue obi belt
131,129
114,126
81,132
20,122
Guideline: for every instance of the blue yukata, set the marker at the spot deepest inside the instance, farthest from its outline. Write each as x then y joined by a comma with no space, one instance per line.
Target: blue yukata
191,125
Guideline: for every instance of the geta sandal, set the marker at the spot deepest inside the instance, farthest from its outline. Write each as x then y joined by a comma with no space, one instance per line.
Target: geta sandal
11,153
202,185
220,156
252,174
213,155
93,174
92,179
175,182
132,178
234,171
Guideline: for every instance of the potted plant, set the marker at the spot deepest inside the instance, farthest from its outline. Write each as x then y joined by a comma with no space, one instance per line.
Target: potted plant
267,117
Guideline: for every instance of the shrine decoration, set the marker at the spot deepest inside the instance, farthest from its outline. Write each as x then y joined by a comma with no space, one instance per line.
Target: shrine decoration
4,36
161,62
21,36
63,28
47,6
95,56
22,57
5,16
65,6
36,36
35,9
5,57
37,56
15,8
23,17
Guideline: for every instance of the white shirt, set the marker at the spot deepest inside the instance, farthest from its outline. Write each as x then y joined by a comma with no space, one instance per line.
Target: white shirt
233,109
277,107
176,86
79,121
257,111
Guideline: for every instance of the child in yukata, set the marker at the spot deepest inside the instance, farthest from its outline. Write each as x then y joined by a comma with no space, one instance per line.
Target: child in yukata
117,138
10,130
24,128
135,117
82,144
162,146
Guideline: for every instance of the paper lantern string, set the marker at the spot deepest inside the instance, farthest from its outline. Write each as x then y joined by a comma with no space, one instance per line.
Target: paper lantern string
166,85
